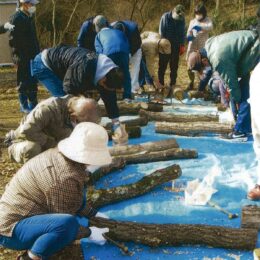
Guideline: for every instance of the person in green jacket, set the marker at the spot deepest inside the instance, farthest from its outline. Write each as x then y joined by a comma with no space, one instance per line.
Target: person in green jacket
233,55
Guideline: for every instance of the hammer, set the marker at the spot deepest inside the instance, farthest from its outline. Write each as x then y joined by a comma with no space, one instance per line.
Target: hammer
216,206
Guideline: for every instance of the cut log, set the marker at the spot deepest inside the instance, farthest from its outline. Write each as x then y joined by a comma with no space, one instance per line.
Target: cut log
133,132
144,147
155,235
165,155
140,121
251,217
117,164
192,129
133,108
102,197
198,94
179,93
171,117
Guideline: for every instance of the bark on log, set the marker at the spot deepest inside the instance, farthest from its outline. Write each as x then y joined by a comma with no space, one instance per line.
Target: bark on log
192,129
133,108
144,147
166,155
171,117
140,121
250,217
179,93
133,132
100,198
155,235
198,94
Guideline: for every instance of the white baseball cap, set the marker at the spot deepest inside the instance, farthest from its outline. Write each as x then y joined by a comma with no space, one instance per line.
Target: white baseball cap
33,2
87,144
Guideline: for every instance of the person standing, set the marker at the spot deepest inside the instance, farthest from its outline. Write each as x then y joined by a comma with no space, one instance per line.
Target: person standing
24,45
197,35
172,28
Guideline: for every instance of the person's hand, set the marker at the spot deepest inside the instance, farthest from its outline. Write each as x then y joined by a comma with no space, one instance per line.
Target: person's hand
96,236
182,49
190,38
9,137
101,215
197,28
8,26
120,136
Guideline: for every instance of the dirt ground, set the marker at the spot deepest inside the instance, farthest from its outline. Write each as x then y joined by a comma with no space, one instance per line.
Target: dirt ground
10,117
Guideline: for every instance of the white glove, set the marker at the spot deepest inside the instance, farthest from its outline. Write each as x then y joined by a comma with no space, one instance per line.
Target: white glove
120,136
9,27
101,215
96,236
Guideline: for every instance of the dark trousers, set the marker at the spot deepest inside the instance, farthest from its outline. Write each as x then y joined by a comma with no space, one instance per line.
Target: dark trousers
173,60
144,76
243,123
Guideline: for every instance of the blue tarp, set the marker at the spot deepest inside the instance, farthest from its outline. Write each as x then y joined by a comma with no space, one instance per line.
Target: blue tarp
237,164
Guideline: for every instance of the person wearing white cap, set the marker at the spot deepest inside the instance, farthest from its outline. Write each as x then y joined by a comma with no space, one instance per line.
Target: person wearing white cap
41,209
24,45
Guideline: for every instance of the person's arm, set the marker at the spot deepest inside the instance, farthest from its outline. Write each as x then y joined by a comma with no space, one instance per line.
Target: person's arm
2,29
98,44
162,27
205,80
182,33
82,34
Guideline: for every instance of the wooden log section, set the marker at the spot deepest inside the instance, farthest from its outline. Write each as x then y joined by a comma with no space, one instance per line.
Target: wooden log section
155,235
171,117
133,108
198,94
140,121
102,197
251,217
165,155
179,93
144,147
192,129
133,132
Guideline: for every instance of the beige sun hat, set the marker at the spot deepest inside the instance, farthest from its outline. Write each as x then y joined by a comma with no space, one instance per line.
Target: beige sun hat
164,46
87,144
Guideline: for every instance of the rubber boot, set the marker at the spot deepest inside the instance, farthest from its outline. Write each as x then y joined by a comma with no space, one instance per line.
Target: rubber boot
23,99
33,101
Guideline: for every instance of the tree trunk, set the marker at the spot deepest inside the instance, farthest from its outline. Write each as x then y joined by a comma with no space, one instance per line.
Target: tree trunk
171,117
140,121
100,198
144,147
155,235
133,108
250,217
133,132
165,155
192,129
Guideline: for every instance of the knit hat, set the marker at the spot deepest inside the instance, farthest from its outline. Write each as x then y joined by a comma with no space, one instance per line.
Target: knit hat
194,61
33,2
100,22
87,144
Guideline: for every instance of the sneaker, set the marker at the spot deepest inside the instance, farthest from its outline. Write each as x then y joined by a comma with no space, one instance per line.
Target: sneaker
254,194
236,136
23,256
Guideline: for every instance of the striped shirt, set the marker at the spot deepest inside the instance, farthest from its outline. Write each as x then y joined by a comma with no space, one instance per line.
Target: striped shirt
48,183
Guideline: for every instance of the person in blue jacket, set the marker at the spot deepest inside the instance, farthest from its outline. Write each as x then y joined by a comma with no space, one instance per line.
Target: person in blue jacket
114,44
132,33
172,28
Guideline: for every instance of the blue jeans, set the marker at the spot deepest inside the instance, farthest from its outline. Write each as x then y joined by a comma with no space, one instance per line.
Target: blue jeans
243,123
47,77
43,235
121,59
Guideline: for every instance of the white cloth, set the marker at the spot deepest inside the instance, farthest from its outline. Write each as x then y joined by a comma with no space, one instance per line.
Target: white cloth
104,65
97,235
255,113
134,63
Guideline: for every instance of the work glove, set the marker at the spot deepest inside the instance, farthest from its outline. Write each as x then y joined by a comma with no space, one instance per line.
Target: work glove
197,28
9,27
101,215
120,136
182,49
190,38
96,236
9,137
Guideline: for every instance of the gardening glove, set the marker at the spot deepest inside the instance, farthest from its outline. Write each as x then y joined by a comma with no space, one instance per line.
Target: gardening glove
197,28
182,49
9,27
120,136
96,236
101,215
9,137
190,38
